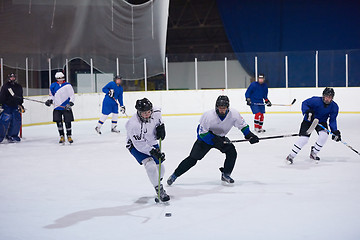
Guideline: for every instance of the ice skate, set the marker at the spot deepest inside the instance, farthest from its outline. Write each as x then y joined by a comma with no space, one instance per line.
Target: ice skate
13,139
289,159
62,140
115,130
260,130
97,129
313,155
171,179
70,140
226,178
163,195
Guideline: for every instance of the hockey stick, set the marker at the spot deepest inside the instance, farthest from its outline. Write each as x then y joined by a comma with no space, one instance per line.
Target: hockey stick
276,104
265,138
340,140
119,106
159,178
29,99
309,131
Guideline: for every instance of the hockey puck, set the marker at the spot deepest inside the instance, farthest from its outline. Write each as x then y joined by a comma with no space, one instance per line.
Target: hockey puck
168,214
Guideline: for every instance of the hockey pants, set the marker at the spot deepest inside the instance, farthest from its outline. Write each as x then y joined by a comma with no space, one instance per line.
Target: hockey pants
200,149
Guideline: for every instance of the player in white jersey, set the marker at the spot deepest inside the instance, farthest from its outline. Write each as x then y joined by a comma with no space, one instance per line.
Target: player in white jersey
144,129
213,127
62,96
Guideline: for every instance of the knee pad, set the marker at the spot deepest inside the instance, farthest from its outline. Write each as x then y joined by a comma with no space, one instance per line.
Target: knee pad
5,117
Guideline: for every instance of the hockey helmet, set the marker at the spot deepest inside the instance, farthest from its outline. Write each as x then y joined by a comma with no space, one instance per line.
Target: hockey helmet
261,75
143,105
12,77
60,76
117,77
328,92
222,101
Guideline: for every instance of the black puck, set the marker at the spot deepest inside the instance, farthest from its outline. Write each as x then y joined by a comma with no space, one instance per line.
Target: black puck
168,214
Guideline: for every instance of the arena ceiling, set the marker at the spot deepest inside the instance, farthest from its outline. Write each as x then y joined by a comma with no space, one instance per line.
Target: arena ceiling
194,27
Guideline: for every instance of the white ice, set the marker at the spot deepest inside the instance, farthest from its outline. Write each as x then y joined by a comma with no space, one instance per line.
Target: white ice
94,189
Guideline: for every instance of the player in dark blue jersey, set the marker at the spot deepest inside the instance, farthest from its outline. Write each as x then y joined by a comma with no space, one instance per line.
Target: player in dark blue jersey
324,109
11,100
111,102
255,95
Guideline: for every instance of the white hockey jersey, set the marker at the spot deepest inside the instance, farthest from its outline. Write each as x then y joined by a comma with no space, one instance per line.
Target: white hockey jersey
142,135
210,121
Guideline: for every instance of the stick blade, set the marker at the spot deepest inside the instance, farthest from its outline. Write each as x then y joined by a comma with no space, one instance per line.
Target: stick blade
312,126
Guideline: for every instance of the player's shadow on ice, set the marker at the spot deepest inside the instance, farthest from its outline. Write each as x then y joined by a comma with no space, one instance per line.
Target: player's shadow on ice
127,210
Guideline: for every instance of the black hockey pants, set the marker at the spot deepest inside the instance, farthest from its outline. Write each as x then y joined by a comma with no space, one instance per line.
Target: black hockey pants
200,149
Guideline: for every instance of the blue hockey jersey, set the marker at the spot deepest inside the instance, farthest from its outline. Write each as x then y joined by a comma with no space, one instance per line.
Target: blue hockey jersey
257,92
321,111
118,93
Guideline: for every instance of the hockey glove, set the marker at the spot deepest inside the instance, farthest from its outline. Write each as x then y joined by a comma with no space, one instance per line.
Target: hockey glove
248,101
337,136
218,142
21,109
68,106
252,138
111,93
49,102
156,153
122,109
309,115
268,103
160,132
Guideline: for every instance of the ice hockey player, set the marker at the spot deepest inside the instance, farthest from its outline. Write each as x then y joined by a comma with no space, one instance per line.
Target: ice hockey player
62,96
143,131
255,94
11,100
321,108
112,99
211,131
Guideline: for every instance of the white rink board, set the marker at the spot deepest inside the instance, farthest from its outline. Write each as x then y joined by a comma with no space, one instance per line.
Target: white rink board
88,106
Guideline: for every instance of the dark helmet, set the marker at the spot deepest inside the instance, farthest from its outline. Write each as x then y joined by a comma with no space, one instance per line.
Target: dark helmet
143,105
261,75
117,77
328,92
12,75
222,101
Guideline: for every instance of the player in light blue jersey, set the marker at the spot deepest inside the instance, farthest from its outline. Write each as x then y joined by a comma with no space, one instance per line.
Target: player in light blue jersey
111,102
62,96
321,108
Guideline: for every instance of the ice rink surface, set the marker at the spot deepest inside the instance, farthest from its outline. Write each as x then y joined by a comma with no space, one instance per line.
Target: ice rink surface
94,189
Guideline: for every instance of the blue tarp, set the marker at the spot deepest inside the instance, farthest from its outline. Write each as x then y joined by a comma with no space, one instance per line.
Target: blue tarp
271,29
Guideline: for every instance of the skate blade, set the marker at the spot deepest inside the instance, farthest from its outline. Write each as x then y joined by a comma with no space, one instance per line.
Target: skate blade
227,184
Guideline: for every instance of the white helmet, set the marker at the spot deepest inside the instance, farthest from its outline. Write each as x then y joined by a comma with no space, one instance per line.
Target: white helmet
59,76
